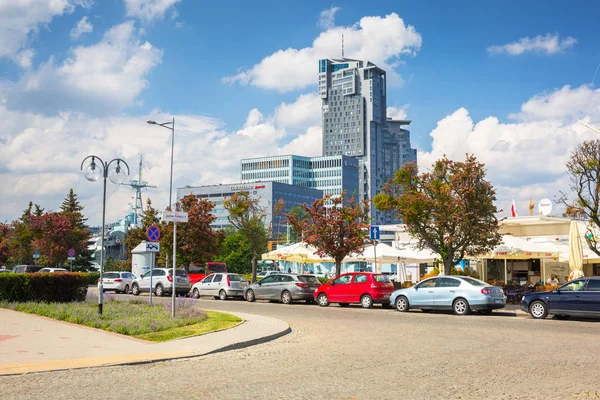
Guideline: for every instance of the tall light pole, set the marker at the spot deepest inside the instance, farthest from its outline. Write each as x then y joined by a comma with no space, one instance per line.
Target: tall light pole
172,128
92,172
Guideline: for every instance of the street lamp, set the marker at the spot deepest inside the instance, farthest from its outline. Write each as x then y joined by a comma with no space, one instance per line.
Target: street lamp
92,172
172,129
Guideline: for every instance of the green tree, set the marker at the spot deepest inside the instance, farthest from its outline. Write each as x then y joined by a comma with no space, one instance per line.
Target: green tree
52,234
334,226
235,251
6,232
136,235
248,217
450,210
21,239
80,236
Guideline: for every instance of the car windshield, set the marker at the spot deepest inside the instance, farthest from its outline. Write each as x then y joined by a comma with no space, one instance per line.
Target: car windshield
473,281
381,278
308,279
111,275
237,278
179,273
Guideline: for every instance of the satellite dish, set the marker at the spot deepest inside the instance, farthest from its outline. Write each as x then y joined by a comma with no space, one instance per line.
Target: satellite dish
545,207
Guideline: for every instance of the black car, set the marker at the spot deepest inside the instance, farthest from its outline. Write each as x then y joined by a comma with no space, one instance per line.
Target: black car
580,297
26,268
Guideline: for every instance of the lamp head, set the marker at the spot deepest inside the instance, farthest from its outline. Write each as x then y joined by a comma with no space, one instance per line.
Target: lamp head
91,172
151,122
118,174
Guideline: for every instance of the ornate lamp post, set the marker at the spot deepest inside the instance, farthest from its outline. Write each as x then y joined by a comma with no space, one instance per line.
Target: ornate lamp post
93,171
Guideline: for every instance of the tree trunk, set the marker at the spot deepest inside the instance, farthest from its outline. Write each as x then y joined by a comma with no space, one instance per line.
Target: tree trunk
254,264
338,267
448,264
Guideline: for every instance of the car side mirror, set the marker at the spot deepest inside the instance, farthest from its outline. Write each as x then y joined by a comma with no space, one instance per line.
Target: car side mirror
332,283
259,283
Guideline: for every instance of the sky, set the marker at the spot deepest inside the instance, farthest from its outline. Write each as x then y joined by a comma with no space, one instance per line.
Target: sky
505,81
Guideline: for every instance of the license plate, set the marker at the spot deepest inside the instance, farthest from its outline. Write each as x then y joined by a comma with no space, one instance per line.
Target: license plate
498,301
386,295
108,281
180,280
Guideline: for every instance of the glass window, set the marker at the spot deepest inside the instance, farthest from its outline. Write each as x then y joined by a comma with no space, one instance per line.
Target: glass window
429,283
308,279
179,272
237,278
110,275
448,282
593,285
474,282
381,278
208,279
574,286
360,278
158,272
218,278
196,269
269,279
343,280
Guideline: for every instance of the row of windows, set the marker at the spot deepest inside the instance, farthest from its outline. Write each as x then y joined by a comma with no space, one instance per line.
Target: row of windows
266,164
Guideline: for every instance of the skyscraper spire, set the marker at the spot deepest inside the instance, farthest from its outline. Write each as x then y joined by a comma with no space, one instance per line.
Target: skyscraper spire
342,45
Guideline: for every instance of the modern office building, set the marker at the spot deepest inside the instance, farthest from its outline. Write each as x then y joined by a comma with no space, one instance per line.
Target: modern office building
268,194
354,101
331,174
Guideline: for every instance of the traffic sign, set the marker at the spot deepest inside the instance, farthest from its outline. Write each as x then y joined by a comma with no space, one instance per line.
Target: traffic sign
152,247
71,253
175,216
153,233
36,254
71,258
374,232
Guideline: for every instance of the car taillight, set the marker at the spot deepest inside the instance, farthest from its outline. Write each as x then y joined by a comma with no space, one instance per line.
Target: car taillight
170,278
228,281
118,280
301,284
486,291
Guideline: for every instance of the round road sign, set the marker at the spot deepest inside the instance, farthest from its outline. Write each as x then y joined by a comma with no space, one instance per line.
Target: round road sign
71,253
153,233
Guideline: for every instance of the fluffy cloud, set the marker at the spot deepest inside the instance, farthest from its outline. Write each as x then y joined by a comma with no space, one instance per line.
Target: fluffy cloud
525,158
149,10
549,44
19,19
561,104
327,18
396,113
83,26
379,40
105,77
303,113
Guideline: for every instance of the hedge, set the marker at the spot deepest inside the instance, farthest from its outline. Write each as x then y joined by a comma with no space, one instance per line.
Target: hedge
49,288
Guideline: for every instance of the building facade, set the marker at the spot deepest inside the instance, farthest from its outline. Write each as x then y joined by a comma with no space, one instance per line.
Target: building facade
330,174
268,194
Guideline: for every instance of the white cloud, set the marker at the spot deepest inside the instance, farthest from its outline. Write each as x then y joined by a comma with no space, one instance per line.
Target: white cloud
83,26
105,77
549,44
327,18
376,39
396,113
303,113
149,10
19,19
525,158
25,58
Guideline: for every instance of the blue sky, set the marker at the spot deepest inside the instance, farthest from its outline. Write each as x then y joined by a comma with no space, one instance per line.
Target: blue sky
156,58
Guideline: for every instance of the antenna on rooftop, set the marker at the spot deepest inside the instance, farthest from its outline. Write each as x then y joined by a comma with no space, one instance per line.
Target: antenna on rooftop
342,45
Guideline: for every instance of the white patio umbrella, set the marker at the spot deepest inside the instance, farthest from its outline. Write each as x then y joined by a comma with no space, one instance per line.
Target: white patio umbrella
298,252
575,252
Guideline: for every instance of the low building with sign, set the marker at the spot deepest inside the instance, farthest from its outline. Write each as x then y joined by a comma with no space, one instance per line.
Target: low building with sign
268,193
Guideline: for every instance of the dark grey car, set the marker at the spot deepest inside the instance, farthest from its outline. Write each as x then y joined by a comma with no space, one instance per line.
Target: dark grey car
283,287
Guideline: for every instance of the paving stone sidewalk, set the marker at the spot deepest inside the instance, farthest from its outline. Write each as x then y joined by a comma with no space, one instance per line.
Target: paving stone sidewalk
30,343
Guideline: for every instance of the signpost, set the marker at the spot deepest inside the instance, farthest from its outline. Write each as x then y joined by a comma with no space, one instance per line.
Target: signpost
374,238
71,254
153,234
174,217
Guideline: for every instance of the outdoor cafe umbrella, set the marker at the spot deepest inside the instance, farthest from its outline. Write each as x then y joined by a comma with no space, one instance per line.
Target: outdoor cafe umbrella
298,252
575,252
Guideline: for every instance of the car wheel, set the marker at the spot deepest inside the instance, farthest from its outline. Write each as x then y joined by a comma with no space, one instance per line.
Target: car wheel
159,291
222,295
343,304
126,291
461,307
366,301
196,293
250,296
286,297
538,310
323,300
135,289
402,304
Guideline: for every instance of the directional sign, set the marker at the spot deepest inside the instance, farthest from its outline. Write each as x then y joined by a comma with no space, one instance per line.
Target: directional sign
36,254
153,233
175,216
152,247
71,253
374,232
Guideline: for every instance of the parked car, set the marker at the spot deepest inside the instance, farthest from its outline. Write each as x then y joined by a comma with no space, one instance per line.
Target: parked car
460,294
220,286
118,281
580,297
198,272
162,282
284,287
53,270
365,288
26,268
262,274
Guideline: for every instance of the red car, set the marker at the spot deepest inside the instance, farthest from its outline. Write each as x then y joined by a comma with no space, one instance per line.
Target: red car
356,287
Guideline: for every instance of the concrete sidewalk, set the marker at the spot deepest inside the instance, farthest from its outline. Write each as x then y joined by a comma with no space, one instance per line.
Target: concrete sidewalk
30,343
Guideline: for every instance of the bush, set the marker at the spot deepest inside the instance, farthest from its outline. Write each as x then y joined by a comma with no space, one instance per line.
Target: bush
49,288
323,280
92,277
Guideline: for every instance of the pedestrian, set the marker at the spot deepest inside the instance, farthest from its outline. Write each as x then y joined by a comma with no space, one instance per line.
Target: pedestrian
289,270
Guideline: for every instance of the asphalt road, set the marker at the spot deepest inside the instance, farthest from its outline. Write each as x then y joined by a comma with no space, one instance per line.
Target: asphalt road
352,353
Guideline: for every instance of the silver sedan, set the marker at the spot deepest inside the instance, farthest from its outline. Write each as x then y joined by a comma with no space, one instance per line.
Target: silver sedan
283,287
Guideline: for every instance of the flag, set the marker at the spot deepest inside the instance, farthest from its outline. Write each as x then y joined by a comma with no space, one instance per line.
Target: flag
513,209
